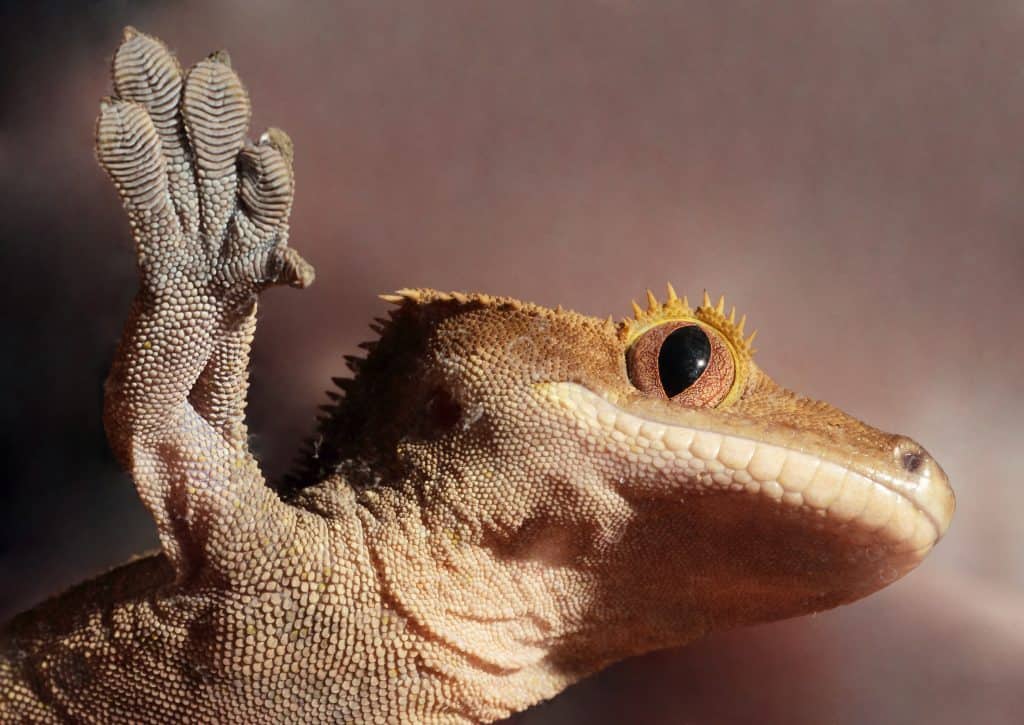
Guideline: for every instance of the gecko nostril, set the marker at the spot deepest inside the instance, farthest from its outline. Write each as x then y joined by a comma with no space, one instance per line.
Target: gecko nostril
912,461
910,456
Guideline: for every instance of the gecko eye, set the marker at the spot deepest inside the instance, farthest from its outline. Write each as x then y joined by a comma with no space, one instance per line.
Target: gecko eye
686,362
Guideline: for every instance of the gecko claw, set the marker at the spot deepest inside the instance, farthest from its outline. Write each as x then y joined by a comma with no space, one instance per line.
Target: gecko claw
294,271
281,141
220,56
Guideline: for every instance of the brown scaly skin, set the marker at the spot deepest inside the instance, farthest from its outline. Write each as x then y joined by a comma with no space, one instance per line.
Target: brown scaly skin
491,512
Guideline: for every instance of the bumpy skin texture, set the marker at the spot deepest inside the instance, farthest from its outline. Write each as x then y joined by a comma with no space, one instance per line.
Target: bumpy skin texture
492,510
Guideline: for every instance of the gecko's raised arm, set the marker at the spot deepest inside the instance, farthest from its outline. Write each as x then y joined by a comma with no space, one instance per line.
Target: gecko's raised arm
209,213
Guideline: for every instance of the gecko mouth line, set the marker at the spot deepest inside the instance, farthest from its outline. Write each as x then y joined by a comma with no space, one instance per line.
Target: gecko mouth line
913,512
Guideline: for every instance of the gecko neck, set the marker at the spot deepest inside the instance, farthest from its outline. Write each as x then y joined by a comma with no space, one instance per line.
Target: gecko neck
508,613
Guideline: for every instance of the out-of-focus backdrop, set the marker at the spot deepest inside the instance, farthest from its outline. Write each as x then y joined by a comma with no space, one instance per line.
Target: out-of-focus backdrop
850,174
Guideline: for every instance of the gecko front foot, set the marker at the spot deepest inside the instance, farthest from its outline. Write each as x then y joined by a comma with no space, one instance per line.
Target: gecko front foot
209,213
208,208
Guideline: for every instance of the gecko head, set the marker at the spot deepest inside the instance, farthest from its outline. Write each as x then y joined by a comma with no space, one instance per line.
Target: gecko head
650,461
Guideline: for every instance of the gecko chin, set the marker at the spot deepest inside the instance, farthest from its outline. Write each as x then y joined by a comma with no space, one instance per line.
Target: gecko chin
842,526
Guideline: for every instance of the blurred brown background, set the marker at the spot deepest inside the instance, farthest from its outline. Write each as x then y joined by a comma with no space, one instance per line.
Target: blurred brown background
849,173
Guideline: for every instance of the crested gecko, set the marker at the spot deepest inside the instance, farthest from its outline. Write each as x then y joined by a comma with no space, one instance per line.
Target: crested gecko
500,501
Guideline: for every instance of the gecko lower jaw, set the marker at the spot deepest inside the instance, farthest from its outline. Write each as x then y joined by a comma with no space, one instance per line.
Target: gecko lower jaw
871,501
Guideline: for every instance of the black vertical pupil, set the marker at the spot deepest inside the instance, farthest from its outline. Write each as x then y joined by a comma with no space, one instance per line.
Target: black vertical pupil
683,358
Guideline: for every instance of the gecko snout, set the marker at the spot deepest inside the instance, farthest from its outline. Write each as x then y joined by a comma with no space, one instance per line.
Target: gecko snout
931,493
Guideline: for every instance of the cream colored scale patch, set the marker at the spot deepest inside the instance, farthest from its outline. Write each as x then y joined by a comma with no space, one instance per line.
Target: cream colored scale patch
715,461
